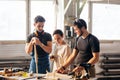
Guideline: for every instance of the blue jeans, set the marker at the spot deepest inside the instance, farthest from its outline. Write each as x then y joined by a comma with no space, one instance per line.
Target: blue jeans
43,65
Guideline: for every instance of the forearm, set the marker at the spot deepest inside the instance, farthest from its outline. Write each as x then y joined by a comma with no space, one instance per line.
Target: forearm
94,59
47,49
68,62
28,48
70,59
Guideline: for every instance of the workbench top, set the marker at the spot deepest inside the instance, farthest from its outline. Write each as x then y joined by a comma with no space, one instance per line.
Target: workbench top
48,76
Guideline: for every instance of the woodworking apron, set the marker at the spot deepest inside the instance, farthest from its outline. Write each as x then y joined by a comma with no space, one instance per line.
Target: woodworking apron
43,65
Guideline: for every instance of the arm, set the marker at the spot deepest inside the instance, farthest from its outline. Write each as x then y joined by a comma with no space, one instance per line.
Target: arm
29,47
69,60
54,51
34,40
47,48
95,47
94,59
67,53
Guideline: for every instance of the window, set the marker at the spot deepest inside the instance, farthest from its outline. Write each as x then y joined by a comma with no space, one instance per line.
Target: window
84,13
106,21
45,9
12,20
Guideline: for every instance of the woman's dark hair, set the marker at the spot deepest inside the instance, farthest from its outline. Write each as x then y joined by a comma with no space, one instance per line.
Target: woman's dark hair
58,31
39,19
80,23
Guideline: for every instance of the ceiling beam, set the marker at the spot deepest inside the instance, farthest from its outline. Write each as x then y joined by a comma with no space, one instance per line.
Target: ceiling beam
66,8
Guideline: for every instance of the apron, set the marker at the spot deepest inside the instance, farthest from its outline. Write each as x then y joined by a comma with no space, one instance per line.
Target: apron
43,65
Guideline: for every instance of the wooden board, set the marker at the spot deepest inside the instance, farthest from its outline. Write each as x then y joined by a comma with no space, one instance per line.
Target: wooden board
48,76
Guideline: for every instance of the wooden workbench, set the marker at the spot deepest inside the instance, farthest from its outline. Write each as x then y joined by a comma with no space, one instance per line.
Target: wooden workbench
48,76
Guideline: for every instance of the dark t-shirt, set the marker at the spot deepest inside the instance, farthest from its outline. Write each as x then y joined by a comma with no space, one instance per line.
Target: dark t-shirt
85,48
43,37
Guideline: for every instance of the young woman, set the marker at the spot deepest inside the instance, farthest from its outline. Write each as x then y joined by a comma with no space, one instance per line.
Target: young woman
61,50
